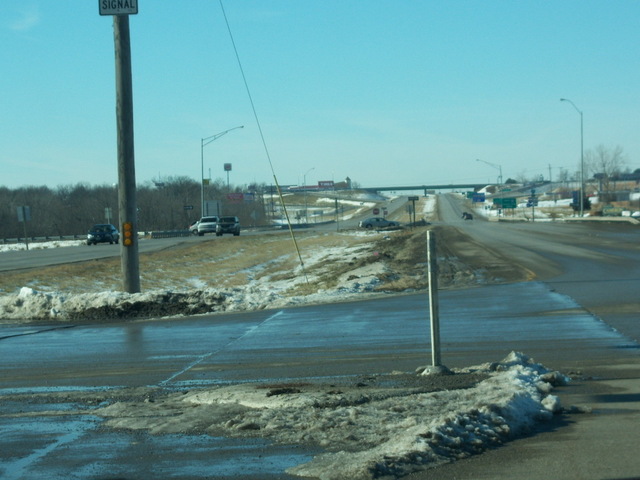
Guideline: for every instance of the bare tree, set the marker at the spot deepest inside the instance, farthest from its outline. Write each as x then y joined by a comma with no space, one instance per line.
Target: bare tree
563,175
605,164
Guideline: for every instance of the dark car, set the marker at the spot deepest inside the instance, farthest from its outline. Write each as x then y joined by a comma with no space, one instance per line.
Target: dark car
378,222
467,216
228,225
103,233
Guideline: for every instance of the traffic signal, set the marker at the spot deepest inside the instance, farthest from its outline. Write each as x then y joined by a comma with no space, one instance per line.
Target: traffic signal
127,234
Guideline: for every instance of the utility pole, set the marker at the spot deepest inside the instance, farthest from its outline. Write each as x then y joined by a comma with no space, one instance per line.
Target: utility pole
127,206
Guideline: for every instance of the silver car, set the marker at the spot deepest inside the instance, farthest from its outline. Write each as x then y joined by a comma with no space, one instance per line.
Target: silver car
207,225
378,222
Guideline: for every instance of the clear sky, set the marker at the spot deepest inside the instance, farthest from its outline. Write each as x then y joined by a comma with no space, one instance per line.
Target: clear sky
386,92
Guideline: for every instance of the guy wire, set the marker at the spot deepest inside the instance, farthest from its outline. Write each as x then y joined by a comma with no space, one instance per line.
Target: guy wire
264,143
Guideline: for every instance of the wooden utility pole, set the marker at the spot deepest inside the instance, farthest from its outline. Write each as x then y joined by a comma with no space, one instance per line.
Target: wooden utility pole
127,206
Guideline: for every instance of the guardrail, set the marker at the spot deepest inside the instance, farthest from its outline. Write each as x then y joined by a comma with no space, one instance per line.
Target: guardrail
168,234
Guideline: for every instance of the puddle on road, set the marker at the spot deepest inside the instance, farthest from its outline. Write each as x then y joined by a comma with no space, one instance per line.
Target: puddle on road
142,455
41,447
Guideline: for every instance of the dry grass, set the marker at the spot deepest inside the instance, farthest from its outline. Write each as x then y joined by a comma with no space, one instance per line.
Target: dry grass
397,260
224,262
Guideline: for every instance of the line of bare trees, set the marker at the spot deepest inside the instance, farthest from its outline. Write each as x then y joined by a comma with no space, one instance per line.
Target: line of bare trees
603,163
172,205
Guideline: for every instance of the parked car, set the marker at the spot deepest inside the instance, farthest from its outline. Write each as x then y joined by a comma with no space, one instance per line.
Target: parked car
228,225
103,233
193,228
207,225
378,222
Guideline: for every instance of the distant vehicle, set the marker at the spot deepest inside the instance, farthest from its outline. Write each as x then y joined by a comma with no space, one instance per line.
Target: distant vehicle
103,233
467,216
378,222
207,225
228,225
193,228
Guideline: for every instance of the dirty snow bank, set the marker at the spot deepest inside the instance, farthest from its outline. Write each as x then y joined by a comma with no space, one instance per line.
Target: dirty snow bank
366,432
30,304
34,305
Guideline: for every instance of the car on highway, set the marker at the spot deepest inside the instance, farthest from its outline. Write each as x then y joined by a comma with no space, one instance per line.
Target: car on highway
207,225
103,233
228,225
193,228
378,222
467,216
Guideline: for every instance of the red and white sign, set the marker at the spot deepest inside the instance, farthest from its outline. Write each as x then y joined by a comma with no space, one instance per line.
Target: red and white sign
235,197
326,184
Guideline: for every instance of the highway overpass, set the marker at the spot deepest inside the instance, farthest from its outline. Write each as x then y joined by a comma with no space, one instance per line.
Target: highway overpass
425,188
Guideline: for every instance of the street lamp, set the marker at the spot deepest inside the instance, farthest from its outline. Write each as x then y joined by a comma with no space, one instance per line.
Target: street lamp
304,185
499,167
581,156
204,142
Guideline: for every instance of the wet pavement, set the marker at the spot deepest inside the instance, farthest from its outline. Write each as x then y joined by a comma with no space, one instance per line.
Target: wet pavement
52,380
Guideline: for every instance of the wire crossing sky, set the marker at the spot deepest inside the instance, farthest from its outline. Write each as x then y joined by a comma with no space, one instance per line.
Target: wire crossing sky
383,92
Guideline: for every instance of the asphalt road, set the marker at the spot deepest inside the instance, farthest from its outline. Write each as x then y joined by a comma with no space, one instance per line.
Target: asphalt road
598,266
582,269
34,258
595,263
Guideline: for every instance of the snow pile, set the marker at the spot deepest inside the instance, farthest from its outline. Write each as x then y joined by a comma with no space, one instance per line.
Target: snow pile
259,293
366,432
31,304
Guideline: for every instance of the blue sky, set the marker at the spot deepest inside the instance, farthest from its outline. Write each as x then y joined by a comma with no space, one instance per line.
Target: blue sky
384,92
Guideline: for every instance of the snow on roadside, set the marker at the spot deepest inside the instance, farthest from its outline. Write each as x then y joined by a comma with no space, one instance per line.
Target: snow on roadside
366,433
35,305
12,247
30,304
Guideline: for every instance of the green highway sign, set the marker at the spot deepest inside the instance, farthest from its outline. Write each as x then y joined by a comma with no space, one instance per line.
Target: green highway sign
508,202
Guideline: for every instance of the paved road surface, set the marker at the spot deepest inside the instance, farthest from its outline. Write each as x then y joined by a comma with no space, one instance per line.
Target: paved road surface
599,266
478,325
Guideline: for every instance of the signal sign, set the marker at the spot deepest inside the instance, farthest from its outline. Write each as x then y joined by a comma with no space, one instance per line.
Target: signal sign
118,7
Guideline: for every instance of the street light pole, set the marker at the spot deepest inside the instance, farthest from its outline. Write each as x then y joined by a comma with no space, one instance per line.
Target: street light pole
499,167
581,155
304,185
203,143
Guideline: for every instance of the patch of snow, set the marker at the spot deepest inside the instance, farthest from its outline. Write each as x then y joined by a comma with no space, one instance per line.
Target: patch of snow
260,292
367,433
9,247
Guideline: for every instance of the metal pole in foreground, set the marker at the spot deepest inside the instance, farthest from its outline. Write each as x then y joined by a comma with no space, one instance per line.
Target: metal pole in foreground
433,299
127,207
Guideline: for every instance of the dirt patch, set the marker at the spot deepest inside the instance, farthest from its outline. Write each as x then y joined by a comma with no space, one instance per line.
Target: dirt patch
462,262
488,266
